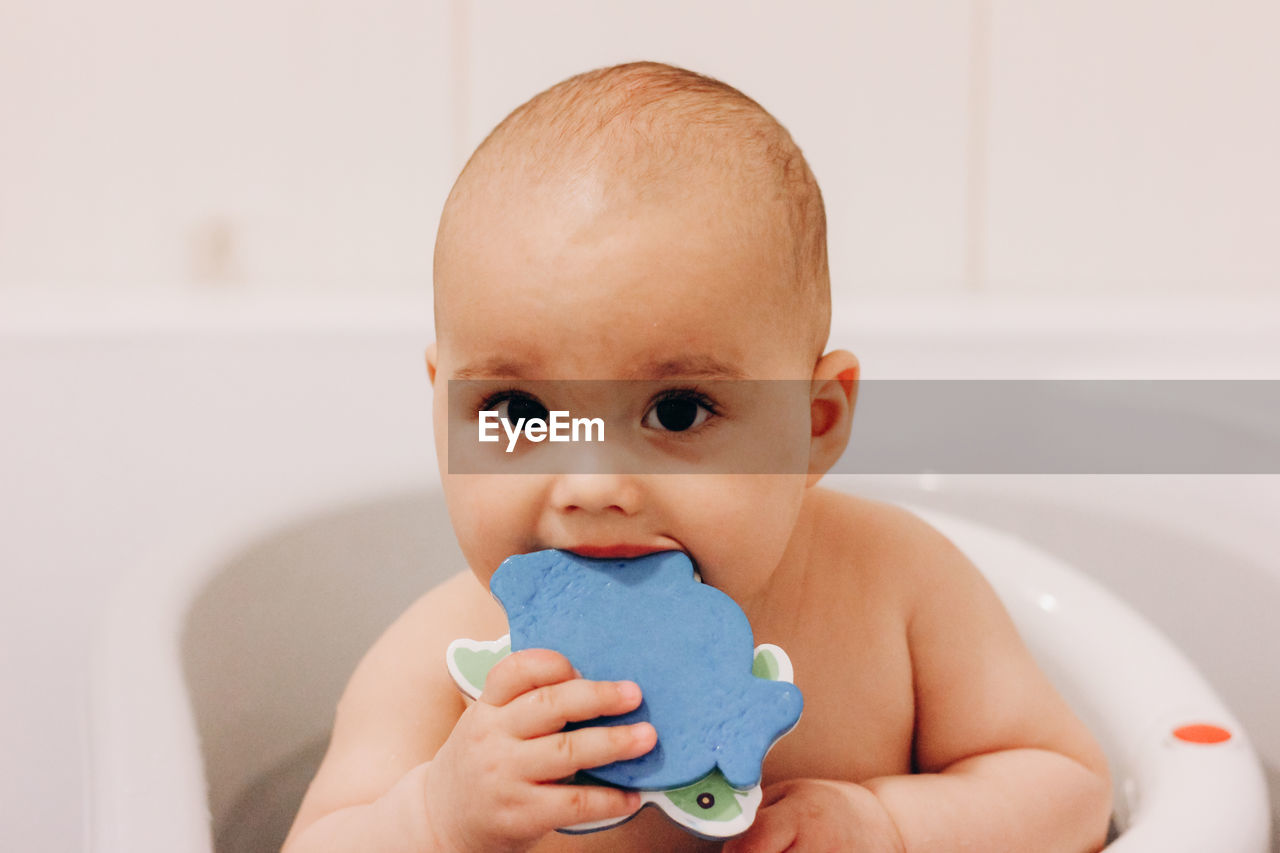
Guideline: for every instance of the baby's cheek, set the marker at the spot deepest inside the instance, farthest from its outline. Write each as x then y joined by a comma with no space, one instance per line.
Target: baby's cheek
761,515
480,513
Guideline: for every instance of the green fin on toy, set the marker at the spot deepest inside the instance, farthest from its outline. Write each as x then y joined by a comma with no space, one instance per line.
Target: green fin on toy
470,661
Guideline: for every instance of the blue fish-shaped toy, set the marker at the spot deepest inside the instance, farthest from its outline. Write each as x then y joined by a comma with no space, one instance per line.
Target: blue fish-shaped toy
717,703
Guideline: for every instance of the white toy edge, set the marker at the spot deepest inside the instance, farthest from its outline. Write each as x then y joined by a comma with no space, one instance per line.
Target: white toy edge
471,690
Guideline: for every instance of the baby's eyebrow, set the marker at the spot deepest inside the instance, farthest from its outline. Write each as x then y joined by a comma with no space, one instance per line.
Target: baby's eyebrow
699,366
692,367
490,368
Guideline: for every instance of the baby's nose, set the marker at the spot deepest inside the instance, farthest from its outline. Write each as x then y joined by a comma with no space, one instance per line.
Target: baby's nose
596,493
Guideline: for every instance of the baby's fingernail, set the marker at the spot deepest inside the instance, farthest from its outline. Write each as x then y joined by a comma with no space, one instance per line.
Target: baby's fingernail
629,691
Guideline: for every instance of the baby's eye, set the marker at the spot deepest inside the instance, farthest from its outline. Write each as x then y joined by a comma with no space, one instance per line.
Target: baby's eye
513,406
679,412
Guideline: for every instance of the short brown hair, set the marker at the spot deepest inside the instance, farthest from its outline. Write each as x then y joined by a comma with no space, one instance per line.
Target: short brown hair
664,112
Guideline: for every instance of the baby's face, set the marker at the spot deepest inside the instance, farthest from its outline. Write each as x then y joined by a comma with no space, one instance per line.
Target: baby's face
673,296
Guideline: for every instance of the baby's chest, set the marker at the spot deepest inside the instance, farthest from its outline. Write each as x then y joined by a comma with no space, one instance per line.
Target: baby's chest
859,708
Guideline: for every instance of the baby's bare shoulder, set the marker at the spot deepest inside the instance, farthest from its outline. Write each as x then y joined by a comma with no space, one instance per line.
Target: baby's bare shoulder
458,607
890,545
404,672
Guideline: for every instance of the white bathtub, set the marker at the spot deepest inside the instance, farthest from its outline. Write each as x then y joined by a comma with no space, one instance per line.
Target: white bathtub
215,670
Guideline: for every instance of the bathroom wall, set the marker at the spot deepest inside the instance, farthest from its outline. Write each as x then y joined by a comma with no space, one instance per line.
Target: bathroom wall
989,145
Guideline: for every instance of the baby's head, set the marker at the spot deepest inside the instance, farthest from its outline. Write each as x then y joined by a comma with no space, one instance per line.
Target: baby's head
639,222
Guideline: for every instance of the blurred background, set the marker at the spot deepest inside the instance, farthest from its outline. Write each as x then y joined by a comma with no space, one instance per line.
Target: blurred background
171,167
280,145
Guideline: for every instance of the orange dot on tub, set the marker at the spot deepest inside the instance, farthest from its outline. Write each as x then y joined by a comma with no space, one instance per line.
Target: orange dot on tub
1202,733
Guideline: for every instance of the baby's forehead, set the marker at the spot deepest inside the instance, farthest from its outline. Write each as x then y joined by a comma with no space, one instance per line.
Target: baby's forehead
594,260
618,172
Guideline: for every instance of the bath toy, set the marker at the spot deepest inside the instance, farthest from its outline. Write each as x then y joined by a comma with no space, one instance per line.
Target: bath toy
717,703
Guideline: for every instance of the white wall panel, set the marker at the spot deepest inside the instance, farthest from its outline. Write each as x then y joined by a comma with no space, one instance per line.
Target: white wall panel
875,94
1133,146
272,142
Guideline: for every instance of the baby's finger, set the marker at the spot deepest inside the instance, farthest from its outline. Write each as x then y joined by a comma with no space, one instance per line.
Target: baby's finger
568,805
773,831
523,671
558,756
547,709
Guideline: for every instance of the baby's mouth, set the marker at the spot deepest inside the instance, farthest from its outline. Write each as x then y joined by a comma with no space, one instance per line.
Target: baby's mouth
622,551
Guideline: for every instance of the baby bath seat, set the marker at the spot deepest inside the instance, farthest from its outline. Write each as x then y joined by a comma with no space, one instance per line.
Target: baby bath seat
1184,773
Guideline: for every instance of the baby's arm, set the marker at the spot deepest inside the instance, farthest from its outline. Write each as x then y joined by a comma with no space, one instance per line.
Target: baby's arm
1001,761
1005,763
411,768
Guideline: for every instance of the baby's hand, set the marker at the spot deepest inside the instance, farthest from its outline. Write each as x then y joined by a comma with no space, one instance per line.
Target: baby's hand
489,786
804,815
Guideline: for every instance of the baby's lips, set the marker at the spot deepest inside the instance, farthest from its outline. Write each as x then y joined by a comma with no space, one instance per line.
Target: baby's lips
617,551
623,552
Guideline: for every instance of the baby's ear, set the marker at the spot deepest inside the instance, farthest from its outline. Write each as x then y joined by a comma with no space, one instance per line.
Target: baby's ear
832,401
431,362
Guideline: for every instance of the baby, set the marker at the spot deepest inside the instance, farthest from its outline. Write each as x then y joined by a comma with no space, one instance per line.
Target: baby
648,224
